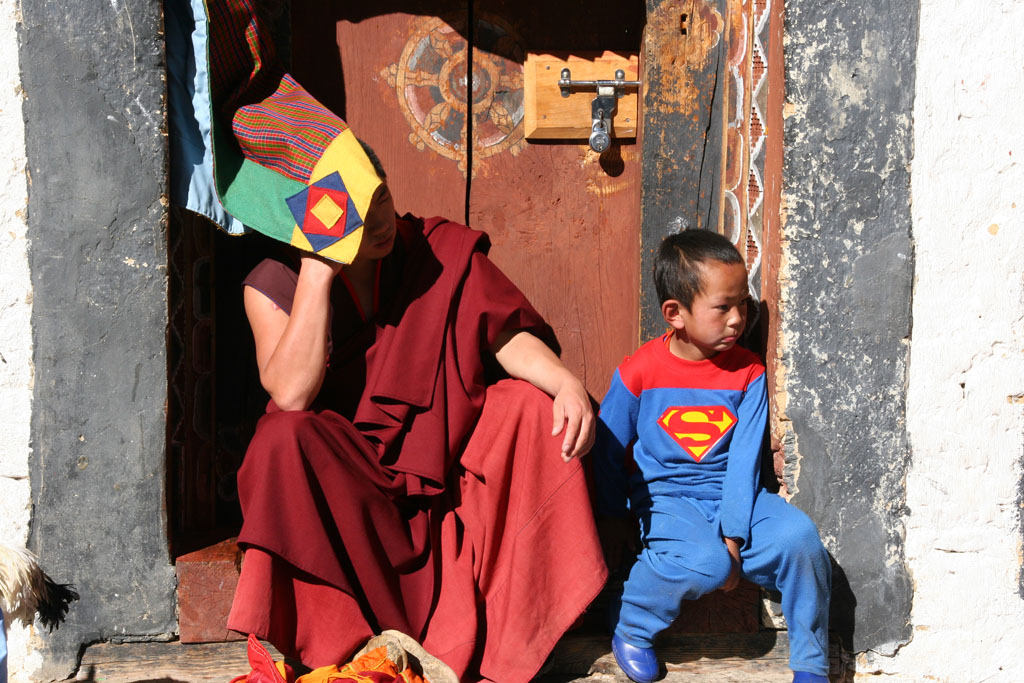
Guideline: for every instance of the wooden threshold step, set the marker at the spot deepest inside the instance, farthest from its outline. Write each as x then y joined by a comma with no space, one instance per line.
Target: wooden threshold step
710,658
172,662
721,658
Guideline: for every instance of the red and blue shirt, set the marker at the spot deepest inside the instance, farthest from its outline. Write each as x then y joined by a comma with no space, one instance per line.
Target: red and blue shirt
696,429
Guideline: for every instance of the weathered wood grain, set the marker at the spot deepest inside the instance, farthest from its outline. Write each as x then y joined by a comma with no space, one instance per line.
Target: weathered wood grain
207,580
683,65
755,651
565,220
717,658
350,57
165,662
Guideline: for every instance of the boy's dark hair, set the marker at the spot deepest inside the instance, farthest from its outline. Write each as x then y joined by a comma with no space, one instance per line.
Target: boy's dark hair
677,265
374,159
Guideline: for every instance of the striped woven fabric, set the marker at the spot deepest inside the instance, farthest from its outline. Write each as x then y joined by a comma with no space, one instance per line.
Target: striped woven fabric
285,128
288,131
243,61
283,164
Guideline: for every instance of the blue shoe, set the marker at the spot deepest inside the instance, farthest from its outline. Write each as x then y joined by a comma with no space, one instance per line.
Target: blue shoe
639,663
804,677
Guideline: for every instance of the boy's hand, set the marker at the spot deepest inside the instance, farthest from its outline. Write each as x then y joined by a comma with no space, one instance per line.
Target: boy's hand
618,540
734,574
572,412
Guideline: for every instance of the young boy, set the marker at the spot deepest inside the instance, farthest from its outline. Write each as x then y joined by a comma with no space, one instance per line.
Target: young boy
693,405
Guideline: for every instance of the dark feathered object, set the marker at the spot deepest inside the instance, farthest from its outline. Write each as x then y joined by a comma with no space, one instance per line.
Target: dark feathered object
26,590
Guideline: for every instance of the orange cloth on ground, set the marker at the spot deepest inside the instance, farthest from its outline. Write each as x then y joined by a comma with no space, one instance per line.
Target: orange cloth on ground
372,667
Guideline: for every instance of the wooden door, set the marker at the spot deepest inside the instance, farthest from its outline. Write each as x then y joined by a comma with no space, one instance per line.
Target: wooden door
437,89
565,223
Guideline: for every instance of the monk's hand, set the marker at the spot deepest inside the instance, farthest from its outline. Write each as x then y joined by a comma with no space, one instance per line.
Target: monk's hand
734,574
573,416
524,356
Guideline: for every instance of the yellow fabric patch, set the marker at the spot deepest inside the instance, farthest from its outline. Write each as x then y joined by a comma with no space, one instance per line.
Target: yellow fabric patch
327,211
345,249
346,156
299,240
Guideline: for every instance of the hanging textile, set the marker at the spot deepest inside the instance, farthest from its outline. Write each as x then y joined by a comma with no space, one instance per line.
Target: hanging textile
251,149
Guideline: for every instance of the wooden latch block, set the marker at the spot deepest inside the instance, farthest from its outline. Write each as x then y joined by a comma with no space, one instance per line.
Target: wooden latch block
549,116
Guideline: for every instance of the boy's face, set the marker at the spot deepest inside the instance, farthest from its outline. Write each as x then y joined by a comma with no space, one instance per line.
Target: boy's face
378,226
718,315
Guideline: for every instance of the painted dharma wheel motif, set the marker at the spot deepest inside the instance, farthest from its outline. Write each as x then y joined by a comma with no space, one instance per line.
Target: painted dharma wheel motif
435,79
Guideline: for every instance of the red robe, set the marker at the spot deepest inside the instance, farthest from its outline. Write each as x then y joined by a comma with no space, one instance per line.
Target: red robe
403,499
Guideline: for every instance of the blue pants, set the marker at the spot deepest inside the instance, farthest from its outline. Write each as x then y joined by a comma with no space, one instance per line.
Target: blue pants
684,557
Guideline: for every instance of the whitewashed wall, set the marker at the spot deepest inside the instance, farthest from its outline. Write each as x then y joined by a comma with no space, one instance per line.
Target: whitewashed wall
15,331
966,384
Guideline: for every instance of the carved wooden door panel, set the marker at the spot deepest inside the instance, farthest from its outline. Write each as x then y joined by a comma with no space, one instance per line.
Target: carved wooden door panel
712,125
565,220
712,142
437,89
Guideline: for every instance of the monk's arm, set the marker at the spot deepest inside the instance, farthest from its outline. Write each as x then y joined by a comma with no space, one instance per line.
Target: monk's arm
291,350
524,356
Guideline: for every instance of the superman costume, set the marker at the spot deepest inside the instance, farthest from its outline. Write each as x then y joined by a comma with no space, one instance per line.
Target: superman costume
414,494
696,430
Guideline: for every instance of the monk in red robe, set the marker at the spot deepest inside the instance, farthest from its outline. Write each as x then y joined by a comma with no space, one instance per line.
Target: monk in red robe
393,483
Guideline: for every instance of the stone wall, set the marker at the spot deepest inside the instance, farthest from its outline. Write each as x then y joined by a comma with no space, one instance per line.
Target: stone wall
846,276
93,76
902,381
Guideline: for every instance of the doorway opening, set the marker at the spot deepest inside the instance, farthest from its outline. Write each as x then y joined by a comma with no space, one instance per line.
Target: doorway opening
214,396
436,90
564,229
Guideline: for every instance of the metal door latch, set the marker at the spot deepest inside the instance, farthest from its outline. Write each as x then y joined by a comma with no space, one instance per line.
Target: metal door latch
602,108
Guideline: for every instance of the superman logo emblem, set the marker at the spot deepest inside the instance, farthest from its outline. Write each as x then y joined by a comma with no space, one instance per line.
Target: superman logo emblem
697,428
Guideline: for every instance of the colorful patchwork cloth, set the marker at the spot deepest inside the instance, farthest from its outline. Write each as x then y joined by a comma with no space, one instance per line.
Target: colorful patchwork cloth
391,657
251,149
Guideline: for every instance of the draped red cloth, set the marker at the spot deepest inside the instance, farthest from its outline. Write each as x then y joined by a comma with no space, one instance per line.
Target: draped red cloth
413,496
